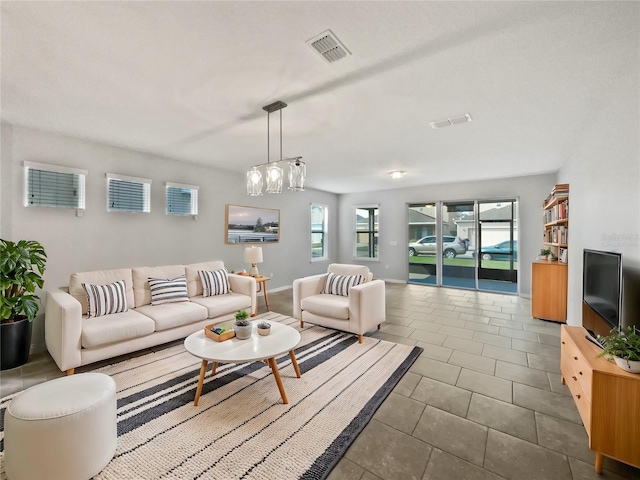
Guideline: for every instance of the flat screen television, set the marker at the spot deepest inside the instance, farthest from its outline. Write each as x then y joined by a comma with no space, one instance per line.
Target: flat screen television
602,284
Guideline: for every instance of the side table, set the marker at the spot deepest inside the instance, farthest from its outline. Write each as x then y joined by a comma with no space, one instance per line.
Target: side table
261,281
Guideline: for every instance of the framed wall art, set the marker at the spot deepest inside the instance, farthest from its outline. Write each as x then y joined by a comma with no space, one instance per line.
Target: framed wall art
251,225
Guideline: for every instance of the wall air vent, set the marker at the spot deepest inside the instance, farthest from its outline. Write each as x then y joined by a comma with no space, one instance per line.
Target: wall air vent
328,46
457,120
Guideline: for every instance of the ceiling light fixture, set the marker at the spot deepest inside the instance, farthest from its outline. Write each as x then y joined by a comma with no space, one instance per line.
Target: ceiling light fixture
273,171
397,174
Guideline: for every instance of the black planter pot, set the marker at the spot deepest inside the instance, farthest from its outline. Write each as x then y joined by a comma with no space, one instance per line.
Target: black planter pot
15,342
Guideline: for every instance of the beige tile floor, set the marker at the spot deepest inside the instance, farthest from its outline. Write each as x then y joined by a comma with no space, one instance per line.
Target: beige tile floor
483,401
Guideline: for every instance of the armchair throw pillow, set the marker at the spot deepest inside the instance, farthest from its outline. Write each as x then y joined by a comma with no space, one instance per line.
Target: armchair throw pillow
340,284
215,282
105,299
168,290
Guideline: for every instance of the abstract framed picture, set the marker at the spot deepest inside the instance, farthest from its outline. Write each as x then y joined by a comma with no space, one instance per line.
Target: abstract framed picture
251,225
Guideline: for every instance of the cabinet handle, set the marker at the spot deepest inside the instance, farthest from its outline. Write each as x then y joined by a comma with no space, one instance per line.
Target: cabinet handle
579,373
575,358
563,342
578,396
575,378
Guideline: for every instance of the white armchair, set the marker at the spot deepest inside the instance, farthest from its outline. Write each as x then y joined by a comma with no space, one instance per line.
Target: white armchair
358,312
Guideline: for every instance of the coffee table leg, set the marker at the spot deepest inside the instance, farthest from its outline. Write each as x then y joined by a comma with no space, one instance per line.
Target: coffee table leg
295,363
276,373
213,368
203,370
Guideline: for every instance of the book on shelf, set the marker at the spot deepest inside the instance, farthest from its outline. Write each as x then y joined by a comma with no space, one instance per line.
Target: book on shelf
562,255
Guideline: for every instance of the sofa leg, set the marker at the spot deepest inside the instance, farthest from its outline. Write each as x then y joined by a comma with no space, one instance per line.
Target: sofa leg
301,324
359,338
70,371
378,326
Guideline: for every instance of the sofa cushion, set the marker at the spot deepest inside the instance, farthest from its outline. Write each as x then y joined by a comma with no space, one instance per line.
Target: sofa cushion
327,305
340,284
223,304
116,327
141,276
214,283
194,285
172,315
105,299
164,290
100,277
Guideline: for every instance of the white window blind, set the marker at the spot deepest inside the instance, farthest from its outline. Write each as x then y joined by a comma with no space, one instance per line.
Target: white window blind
54,186
181,199
128,194
319,215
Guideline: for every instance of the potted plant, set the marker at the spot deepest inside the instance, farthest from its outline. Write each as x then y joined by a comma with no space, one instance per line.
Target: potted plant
623,345
545,254
22,265
242,325
264,328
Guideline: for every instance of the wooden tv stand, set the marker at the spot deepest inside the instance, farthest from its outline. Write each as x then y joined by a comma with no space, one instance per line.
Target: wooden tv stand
607,397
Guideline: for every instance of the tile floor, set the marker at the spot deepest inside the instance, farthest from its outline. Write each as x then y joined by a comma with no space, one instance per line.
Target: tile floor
483,401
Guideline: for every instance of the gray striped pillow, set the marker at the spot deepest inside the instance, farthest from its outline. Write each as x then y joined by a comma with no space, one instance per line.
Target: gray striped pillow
164,290
215,282
105,299
340,284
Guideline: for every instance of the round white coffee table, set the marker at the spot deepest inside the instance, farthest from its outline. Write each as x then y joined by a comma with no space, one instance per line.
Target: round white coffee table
282,339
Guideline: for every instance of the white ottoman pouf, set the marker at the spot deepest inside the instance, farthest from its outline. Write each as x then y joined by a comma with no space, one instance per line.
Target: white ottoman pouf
61,429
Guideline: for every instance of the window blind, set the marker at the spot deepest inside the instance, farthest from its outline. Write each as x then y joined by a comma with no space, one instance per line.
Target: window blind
181,199
52,186
127,194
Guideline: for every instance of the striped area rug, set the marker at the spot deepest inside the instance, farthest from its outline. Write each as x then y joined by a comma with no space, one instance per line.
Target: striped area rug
240,428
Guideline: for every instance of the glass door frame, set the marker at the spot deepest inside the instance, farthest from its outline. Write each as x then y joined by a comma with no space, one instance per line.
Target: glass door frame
513,233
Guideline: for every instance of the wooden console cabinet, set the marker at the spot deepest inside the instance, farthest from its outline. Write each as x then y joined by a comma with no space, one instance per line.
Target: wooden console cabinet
549,290
607,397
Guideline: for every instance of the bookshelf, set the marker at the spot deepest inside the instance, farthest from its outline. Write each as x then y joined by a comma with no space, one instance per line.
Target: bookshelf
549,277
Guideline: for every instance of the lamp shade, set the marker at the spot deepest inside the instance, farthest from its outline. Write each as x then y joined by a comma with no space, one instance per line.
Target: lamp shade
253,255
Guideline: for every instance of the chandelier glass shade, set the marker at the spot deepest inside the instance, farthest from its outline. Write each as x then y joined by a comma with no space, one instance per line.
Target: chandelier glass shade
272,173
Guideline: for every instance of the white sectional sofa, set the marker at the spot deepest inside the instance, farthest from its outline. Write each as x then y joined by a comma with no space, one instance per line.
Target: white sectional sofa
74,339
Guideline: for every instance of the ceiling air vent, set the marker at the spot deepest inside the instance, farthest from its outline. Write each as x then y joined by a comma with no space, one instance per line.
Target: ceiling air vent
457,120
328,46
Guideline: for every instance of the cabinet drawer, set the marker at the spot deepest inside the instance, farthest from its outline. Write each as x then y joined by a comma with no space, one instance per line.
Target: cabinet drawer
580,398
576,365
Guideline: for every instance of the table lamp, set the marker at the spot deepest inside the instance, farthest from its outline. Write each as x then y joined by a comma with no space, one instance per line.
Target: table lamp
253,255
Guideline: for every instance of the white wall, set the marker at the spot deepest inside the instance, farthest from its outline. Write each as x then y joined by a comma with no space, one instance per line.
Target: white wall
102,240
604,173
531,192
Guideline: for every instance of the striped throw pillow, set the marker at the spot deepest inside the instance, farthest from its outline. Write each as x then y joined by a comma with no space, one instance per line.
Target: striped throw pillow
164,290
105,299
215,282
340,284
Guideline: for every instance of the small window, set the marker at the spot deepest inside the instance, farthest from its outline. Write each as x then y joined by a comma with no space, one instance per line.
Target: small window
53,186
319,215
181,199
366,240
128,194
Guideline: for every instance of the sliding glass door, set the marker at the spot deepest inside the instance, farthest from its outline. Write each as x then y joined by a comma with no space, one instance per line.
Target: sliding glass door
464,244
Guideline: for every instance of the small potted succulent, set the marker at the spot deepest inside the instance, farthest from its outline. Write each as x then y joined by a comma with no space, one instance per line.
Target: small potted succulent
264,328
623,345
242,325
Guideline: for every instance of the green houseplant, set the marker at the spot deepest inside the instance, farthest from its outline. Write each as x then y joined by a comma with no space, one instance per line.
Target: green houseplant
242,325
623,345
22,265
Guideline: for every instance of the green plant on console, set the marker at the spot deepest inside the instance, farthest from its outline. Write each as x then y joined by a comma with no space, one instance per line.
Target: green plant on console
22,265
622,343
545,251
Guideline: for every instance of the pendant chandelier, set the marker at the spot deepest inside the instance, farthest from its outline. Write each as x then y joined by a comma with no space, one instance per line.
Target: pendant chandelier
272,173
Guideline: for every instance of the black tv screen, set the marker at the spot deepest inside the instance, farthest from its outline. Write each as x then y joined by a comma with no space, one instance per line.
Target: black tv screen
602,284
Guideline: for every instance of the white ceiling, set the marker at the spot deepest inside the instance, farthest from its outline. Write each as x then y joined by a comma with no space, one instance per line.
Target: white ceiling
188,80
